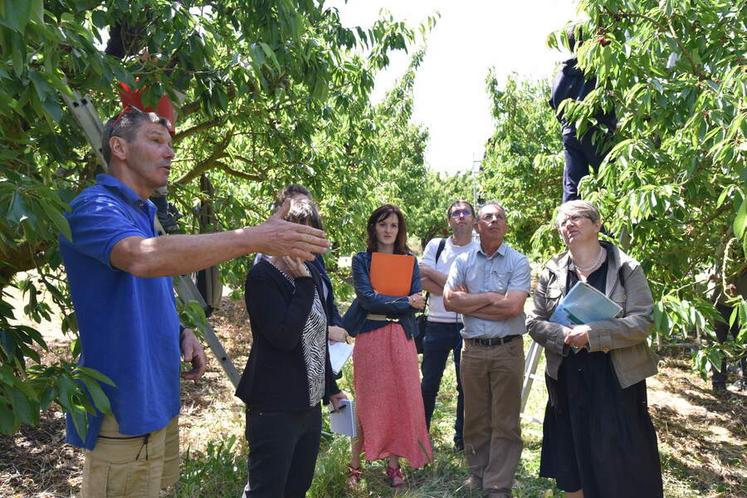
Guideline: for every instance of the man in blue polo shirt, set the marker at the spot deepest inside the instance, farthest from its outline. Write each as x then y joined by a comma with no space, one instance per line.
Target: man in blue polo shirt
489,286
118,270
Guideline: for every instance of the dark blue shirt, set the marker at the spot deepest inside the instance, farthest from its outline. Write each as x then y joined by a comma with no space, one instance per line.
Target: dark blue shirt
571,83
129,328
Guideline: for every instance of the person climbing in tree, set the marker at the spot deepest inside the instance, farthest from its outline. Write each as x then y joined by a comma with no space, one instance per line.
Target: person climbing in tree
590,148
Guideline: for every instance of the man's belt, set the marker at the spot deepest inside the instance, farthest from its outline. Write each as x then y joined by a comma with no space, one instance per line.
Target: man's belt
381,318
495,341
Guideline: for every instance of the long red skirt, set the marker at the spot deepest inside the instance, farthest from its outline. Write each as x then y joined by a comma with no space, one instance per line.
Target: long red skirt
388,398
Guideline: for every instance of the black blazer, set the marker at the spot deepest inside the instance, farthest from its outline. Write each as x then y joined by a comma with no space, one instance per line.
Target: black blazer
275,377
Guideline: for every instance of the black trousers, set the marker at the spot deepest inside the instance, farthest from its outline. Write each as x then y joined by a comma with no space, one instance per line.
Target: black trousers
283,447
579,155
440,340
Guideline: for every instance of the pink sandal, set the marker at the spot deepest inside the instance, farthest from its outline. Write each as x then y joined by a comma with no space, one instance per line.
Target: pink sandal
396,478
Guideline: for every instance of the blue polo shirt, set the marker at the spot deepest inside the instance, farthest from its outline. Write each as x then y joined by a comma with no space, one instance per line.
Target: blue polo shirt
129,328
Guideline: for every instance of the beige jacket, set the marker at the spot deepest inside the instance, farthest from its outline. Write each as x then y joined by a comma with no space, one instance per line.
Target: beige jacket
624,338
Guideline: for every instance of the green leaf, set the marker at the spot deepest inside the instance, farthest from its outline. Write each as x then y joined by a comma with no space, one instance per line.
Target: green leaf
67,389
37,11
95,374
53,109
269,53
7,420
16,14
56,218
8,343
46,397
79,416
98,17
40,85
22,408
733,316
18,53
17,211
724,195
100,400
740,221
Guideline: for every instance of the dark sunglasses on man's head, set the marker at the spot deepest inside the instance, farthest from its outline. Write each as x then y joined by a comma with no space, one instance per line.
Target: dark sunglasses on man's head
460,212
113,129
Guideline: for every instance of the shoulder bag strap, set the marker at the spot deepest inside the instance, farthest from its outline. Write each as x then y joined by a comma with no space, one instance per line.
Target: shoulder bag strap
441,245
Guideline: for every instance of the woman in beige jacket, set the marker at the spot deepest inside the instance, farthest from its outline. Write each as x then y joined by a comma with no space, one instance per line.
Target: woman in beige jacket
598,439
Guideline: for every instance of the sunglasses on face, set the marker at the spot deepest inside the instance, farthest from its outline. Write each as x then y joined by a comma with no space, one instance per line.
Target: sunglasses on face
460,212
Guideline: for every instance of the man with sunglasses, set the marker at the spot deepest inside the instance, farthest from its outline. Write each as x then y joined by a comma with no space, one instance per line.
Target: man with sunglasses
489,286
442,329
119,275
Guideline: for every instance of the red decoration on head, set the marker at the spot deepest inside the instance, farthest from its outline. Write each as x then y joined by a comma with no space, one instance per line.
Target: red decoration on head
133,97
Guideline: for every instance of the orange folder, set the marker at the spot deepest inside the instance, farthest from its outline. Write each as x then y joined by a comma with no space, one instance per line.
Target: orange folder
391,274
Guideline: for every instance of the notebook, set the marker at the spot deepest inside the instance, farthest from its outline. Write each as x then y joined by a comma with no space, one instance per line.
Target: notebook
343,420
391,274
584,304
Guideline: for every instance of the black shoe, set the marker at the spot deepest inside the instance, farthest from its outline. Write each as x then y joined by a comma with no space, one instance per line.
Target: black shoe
458,445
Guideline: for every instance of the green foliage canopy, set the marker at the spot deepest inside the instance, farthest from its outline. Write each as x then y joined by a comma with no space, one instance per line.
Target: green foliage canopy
267,93
673,187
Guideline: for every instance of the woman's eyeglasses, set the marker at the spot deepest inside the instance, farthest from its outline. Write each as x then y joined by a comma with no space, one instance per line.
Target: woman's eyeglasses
573,218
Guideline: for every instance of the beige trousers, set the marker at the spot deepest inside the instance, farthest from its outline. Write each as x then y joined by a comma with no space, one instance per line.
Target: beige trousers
491,380
132,467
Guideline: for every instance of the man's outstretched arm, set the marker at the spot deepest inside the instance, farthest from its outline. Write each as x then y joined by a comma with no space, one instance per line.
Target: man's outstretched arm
180,254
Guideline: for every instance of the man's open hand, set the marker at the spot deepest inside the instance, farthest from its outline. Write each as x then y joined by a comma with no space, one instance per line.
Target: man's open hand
282,238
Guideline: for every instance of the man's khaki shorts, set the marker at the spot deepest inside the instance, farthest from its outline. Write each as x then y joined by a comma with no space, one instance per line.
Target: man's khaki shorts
131,466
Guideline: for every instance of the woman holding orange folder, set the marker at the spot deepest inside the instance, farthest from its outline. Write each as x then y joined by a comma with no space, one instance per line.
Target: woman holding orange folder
385,365
598,439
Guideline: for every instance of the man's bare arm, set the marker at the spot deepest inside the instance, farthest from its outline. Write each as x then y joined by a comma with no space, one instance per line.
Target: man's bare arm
502,307
460,300
180,254
431,286
434,275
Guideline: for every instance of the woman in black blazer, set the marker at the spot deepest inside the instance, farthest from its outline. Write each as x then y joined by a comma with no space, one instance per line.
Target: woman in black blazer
288,373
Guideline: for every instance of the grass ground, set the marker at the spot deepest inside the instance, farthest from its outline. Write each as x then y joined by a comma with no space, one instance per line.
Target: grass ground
702,441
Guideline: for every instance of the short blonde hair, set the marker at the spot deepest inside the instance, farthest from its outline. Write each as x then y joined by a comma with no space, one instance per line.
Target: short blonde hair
579,208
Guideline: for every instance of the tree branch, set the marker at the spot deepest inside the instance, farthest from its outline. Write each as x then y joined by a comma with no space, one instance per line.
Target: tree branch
208,162
205,125
257,177
21,258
